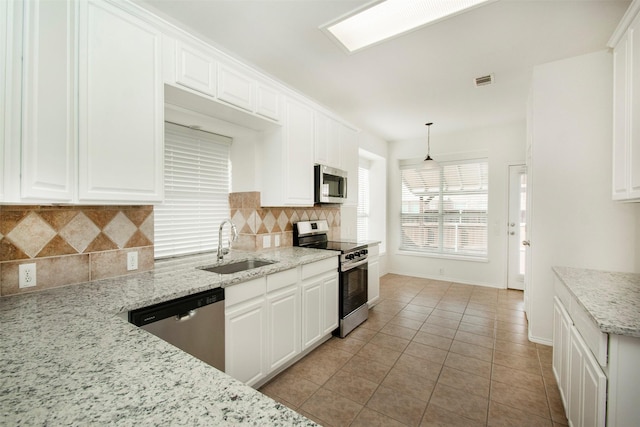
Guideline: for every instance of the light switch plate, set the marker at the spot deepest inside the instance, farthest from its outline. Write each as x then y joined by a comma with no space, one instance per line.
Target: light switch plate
266,242
276,240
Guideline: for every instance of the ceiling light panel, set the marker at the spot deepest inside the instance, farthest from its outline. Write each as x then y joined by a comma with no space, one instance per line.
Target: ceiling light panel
393,17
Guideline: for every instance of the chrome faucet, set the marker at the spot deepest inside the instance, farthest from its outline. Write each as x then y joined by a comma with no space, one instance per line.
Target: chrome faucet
223,251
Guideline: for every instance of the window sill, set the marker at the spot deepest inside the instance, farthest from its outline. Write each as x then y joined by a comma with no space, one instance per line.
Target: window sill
442,256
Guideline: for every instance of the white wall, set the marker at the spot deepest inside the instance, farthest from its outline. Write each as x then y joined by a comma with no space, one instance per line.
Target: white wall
574,221
504,145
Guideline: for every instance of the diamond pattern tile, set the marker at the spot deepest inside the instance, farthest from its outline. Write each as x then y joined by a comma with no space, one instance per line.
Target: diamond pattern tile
120,229
80,232
31,234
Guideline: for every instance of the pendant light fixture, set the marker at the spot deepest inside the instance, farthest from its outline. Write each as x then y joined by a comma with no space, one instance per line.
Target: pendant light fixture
429,163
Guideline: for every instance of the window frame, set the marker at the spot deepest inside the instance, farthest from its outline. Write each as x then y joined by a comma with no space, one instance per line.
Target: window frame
481,216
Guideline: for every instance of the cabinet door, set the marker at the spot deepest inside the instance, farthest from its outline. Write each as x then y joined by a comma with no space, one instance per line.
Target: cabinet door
312,327
48,101
331,315
620,121
245,341
120,105
195,69
633,92
284,326
235,88
561,328
587,385
298,162
327,150
350,162
268,102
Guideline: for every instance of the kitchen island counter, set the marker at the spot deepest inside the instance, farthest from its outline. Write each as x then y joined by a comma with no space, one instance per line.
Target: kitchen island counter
68,358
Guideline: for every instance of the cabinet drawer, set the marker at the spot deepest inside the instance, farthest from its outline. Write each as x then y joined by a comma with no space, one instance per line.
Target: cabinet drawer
595,339
374,250
282,279
319,267
244,291
563,294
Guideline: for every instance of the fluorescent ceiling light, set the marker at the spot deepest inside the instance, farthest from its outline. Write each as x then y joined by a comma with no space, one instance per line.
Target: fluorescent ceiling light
393,17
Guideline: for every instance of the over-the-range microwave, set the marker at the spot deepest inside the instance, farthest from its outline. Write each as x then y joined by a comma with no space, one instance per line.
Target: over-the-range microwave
330,184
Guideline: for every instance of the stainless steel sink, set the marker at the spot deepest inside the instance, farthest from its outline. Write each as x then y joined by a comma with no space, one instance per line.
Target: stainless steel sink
238,266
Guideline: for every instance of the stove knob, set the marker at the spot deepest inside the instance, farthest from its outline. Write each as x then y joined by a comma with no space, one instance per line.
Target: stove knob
357,253
364,251
349,256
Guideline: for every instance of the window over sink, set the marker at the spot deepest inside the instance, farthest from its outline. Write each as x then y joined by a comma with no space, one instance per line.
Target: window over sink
196,187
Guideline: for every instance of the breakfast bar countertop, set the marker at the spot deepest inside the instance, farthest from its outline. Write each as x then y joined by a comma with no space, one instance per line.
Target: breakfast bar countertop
612,299
69,357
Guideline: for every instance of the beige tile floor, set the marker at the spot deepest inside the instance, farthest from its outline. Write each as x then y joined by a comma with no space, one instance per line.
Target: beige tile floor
431,354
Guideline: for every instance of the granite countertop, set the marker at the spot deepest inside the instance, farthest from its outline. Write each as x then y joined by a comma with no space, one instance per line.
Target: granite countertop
68,358
612,299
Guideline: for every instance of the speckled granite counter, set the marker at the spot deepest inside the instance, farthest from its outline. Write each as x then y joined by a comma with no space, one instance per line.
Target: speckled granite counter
612,299
66,358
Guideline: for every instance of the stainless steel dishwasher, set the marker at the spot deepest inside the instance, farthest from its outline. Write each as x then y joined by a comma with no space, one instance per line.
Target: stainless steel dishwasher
194,324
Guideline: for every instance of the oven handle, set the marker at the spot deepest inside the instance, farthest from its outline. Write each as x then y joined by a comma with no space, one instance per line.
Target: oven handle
354,265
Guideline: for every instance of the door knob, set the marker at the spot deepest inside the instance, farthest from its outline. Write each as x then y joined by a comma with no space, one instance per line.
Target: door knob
526,243
512,233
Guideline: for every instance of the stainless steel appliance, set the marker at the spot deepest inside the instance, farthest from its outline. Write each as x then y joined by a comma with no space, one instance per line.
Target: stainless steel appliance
330,184
353,271
194,324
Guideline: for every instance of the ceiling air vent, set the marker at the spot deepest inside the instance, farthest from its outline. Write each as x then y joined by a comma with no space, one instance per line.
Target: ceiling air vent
484,80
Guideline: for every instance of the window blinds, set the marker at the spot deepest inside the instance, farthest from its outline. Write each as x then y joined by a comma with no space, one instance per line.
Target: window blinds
444,210
362,226
196,189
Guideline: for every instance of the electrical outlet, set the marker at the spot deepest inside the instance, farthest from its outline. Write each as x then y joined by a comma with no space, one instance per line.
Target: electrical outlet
132,260
442,271
27,275
276,240
266,241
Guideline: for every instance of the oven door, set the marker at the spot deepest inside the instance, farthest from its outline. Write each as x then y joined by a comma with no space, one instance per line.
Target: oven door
353,287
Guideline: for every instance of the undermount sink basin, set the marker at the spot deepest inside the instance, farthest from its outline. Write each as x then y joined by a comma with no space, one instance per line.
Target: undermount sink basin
238,266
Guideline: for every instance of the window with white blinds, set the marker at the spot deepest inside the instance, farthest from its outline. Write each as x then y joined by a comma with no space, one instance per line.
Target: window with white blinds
196,190
364,205
444,211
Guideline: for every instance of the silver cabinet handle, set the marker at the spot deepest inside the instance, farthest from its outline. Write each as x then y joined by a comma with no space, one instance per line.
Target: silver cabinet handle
512,224
526,243
512,233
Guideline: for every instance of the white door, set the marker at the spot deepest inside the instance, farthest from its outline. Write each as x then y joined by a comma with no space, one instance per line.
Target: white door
517,226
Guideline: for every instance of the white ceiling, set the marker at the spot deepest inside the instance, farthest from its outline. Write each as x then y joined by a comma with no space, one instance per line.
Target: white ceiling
394,88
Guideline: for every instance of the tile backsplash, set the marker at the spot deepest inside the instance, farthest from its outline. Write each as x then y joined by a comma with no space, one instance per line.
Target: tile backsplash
72,244
255,223
76,244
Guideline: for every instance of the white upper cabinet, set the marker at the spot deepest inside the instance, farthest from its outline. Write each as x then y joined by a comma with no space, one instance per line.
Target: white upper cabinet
287,153
327,141
350,161
121,129
5,37
48,101
235,88
626,106
268,102
195,69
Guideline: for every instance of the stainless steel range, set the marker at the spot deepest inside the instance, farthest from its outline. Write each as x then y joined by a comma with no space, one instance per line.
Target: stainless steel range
353,271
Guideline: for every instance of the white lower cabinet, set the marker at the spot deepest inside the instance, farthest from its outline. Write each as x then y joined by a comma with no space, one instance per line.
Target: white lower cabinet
581,380
269,319
283,313
246,331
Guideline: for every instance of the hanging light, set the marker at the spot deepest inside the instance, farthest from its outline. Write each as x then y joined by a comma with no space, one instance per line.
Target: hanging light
429,163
